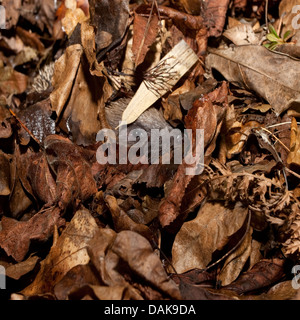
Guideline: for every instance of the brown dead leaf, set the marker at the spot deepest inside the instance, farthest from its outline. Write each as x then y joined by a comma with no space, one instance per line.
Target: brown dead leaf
242,34
11,81
123,222
19,200
235,262
16,271
285,12
71,19
76,278
79,87
15,236
30,39
109,17
199,238
74,177
107,264
138,253
68,251
190,28
263,71
215,16
12,12
291,246
5,125
263,274
63,78
145,31
196,277
41,179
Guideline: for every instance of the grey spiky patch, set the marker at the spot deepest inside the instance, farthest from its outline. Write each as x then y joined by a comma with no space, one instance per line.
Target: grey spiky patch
43,80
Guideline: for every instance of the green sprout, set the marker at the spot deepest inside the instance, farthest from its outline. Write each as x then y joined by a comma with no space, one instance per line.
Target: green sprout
274,39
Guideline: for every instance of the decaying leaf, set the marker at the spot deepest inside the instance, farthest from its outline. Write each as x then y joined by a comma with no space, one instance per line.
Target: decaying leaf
12,81
198,239
15,236
110,17
64,74
261,275
144,34
68,252
137,252
235,262
256,68
216,9
123,222
67,161
16,271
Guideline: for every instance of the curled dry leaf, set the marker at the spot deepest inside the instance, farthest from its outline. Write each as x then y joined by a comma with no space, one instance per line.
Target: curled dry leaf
30,39
72,18
40,178
65,71
76,278
261,275
123,222
181,18
235,262
138,253
199,238
80,86
15,236
74,177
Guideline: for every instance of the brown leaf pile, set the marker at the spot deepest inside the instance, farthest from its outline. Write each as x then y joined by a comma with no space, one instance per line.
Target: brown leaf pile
74,228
